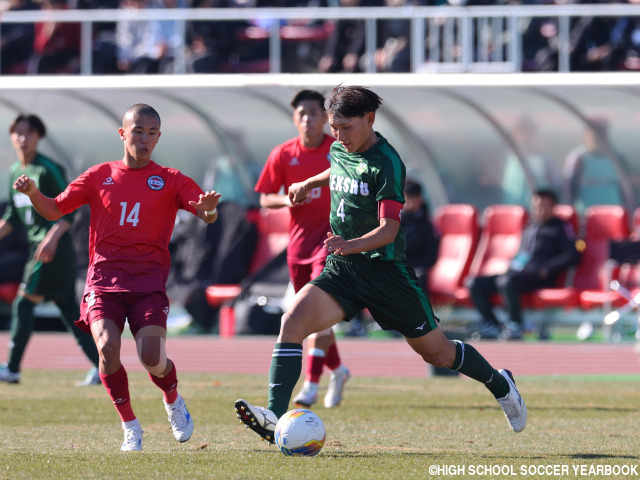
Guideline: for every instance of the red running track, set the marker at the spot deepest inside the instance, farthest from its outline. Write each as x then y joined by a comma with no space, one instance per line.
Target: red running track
384,358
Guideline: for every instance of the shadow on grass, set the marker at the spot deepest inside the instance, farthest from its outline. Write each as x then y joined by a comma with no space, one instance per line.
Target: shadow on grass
602,456
572,408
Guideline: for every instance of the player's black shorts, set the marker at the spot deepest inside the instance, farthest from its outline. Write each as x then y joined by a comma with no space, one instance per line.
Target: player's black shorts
389,290
54,280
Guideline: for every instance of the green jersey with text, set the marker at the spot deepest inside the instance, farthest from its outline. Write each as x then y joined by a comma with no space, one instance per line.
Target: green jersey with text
50,179
358,182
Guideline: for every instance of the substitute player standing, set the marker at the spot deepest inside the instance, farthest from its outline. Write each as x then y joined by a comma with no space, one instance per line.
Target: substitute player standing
134,203
366,268
50,272
294,161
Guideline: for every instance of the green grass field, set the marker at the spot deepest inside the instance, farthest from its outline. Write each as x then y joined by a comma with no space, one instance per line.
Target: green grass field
386,429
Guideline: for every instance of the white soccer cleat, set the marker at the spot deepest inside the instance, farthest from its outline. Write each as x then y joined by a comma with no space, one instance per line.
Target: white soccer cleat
307,396
8,376
92,378
180,419
512,404
132,440
339,377
259,419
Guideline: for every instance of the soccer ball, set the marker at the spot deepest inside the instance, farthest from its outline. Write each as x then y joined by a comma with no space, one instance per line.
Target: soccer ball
300,432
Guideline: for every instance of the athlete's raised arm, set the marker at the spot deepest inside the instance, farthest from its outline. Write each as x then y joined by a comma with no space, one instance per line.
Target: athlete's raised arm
299,191
45,206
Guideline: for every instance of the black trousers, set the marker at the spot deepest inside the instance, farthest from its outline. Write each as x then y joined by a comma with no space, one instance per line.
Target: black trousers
510,286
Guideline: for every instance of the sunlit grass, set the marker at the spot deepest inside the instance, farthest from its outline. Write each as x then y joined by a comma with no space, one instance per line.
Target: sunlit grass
386,429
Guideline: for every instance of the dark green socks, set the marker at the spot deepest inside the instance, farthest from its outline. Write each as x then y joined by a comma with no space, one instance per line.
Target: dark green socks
286,366
469,362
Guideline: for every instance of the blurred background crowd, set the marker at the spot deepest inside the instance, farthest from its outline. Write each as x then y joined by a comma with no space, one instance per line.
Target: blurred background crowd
596,43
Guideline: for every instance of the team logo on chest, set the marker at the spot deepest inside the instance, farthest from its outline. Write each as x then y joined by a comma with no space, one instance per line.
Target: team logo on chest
155,182
360,169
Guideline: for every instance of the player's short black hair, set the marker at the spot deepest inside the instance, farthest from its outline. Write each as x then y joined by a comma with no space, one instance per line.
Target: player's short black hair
142,109
352,101
307,95
34,123
546,193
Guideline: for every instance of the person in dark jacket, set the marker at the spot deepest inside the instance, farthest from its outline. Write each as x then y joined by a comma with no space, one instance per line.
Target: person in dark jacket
547,249
422,237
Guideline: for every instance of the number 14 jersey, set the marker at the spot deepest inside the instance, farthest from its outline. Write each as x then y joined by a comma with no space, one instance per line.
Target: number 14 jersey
133,212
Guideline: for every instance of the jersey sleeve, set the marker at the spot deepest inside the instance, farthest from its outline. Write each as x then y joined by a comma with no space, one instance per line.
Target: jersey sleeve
75,195
390,182
53,183
271,178
188,190
10,214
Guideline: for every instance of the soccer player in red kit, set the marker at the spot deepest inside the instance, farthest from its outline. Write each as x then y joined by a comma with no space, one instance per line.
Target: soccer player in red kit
134,203
293,161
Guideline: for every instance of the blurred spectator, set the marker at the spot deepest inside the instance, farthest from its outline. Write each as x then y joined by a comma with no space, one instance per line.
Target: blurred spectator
303,40
625,41
104,60
16,40
170,35
591,174
345,45
140,45
249,40
393,53
547,249
591,48
545,175
208,42
421,236
56,46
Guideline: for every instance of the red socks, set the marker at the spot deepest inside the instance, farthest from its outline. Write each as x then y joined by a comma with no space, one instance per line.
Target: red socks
117,385
168,384
333,360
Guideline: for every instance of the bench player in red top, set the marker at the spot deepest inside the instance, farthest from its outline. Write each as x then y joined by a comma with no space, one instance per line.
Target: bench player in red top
290,162
134,203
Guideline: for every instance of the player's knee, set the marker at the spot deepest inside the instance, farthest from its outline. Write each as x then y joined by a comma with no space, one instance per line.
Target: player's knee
440,358
109,352
292,329
152,354
155,366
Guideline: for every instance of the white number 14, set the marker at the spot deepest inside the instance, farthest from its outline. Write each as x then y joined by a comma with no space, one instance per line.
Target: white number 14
133,214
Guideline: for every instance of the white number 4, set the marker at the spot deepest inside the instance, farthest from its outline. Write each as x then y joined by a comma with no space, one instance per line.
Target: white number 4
133,214
340,210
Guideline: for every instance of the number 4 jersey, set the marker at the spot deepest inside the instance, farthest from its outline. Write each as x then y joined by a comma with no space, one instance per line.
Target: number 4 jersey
358,183
133,212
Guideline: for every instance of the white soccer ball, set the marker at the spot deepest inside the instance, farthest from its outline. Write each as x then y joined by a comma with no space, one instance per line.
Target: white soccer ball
300,432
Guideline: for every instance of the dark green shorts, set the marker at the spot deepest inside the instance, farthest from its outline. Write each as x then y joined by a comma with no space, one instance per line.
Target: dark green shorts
389,290
54,280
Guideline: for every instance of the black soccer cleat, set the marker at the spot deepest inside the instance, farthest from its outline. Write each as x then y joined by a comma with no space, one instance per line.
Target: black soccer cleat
259,419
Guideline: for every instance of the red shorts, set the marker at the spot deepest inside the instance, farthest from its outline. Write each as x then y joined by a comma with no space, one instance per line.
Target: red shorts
301,274
140,309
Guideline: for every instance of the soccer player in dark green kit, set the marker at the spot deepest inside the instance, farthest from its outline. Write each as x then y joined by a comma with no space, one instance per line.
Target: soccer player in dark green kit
366,267
50,272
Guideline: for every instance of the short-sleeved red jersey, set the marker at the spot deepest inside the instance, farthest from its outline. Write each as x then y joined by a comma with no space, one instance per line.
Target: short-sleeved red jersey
133,212
289,163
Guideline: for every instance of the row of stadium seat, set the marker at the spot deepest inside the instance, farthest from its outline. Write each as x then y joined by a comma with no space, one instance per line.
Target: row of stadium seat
468,250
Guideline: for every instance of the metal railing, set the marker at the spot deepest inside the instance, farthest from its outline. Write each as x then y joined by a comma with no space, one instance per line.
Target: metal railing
442,39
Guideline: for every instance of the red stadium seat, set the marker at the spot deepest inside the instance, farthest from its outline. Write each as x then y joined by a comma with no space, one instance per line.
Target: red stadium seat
459,232
568,214
273,238
499,242
603,223
8,291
